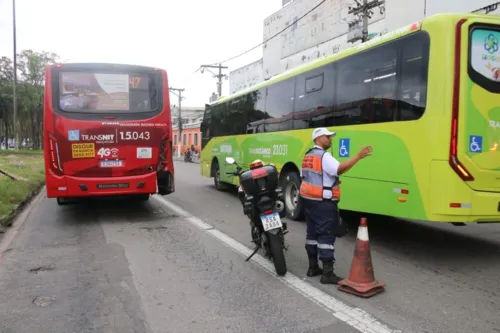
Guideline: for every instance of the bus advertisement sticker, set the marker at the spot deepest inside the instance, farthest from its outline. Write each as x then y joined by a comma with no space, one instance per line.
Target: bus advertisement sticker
144,152
83,150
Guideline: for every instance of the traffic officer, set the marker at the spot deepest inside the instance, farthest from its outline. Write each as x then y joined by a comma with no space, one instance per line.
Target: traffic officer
320,193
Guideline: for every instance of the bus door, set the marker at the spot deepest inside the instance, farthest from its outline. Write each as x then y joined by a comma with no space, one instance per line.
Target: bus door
475,147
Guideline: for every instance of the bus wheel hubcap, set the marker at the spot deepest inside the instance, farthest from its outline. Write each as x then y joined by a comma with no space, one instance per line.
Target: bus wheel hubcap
291,196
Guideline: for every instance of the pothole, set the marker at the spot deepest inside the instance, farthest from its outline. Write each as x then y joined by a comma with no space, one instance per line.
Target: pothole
153,228
43,301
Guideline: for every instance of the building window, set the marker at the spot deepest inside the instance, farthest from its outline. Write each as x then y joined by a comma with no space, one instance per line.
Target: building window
195,139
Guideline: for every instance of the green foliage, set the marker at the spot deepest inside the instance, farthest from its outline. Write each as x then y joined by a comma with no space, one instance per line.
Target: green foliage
29,96
29,168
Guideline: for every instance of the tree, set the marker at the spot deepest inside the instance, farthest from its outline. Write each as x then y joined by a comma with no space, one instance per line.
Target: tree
6,82
31,67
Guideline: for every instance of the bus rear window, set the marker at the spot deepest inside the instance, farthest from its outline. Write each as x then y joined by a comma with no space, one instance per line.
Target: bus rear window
484,57
105,92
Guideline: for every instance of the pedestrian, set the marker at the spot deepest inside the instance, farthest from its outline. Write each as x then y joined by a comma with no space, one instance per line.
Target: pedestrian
320,194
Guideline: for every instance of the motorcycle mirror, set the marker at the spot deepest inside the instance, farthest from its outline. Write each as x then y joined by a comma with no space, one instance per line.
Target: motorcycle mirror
230,160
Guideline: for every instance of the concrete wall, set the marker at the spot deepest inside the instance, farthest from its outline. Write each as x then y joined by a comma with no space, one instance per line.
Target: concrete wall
324,31
246,76
441,6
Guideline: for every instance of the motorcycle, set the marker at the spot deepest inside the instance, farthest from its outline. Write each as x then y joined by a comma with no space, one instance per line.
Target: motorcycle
187,156
262,201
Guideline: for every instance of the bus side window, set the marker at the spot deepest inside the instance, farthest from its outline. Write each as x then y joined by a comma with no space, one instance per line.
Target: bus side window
279,104
353,92
236,117
253,106
205,126
413,81
314,98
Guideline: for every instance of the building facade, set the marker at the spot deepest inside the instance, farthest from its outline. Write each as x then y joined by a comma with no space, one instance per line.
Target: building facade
191,122
246,76
325,31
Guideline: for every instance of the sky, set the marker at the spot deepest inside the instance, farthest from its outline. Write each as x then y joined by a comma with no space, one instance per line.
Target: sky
178,36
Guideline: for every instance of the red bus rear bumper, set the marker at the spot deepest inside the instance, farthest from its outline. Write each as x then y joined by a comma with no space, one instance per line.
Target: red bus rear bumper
71,187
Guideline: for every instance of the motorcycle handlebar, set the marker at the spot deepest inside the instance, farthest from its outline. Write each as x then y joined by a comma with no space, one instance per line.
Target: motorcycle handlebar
235,173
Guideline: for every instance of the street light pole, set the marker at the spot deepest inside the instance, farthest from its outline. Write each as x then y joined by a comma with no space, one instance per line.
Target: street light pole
14,96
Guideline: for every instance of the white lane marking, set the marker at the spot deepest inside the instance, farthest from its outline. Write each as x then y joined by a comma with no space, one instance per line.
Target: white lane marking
354,317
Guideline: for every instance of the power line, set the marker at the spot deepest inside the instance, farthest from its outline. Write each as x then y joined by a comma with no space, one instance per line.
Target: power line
274,36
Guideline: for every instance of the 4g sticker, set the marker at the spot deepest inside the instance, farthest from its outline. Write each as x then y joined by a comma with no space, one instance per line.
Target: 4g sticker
134,135
108,152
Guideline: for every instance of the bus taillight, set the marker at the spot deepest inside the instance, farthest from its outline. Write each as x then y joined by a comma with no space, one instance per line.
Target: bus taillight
162,153
54,156
454,162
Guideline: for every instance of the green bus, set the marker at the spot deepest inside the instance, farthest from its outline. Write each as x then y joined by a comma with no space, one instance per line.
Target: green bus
425,97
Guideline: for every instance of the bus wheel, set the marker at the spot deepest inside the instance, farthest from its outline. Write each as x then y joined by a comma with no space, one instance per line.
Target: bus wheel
143,197
61,202
291,186
219,185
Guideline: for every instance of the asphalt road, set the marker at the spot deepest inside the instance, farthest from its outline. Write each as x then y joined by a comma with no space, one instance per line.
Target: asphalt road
120,266
440,278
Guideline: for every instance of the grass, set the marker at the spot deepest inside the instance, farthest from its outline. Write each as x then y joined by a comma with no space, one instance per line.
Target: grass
28,167
21,152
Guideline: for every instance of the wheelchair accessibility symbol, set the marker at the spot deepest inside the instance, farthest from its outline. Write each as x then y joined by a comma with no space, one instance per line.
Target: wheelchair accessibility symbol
74,135
344,147
475,144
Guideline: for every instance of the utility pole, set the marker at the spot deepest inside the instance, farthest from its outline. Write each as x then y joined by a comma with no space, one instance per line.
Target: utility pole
219,76
365,12
14,96
179,138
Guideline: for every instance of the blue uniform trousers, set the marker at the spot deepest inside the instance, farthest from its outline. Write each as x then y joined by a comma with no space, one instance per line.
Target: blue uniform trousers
321,217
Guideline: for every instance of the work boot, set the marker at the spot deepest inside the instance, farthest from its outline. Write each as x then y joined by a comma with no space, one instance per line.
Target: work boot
329,276
314,269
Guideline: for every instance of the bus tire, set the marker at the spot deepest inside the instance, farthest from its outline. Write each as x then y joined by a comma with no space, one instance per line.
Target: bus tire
62,202
290,183
143,197
219,185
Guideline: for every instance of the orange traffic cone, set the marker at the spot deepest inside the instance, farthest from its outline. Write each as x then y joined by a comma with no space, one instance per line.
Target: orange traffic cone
361,280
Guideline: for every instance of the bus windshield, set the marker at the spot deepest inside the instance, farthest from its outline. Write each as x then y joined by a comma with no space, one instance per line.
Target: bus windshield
96,92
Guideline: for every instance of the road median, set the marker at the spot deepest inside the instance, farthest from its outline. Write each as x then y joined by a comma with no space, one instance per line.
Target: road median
21,178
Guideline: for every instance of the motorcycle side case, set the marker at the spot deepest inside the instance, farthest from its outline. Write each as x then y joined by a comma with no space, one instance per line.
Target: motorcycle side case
254,184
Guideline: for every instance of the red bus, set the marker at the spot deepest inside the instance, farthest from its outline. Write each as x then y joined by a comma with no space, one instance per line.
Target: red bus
107,131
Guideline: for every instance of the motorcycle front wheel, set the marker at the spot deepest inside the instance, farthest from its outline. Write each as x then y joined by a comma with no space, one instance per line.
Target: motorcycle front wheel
276,249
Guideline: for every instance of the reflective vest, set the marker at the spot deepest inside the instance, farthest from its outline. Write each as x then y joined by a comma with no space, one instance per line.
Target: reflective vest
312,177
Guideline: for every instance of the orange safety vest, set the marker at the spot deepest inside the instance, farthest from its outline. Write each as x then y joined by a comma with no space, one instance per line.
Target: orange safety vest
312,177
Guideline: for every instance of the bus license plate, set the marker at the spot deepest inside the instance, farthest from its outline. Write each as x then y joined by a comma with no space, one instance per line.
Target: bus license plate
111,164
271,221
106,186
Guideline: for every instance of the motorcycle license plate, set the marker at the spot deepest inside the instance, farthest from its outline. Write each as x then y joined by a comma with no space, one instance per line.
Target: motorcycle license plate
271,221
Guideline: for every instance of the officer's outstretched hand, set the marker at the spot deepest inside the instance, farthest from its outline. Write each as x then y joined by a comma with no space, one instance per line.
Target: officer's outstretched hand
365,151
